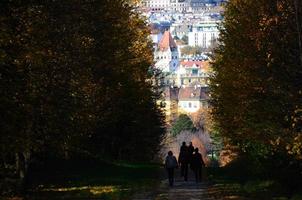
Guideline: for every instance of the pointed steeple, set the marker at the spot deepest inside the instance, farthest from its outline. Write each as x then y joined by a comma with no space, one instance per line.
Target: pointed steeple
167,42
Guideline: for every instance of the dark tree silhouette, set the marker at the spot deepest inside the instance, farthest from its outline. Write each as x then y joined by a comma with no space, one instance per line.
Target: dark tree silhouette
75,77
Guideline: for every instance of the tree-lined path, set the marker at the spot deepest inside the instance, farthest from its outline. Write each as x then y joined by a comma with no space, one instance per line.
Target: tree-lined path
83,107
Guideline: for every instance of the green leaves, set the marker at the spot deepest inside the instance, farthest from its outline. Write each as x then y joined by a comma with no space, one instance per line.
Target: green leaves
181,124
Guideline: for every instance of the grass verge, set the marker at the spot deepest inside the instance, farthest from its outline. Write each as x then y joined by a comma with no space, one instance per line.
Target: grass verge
251,188
90,180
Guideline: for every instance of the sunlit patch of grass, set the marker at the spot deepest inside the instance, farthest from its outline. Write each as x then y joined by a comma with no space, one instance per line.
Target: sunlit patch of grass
106,189
233,197
65,189
116,181
95,190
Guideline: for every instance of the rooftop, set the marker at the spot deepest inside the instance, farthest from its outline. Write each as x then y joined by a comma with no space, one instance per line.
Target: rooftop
167,42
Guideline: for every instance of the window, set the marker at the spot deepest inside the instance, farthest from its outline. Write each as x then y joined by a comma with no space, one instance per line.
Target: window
190,105
213,38
204,40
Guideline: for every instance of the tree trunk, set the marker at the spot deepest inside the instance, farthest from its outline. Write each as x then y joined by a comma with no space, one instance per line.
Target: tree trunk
22,164
19,171
297,6
66,151
5,164
26,156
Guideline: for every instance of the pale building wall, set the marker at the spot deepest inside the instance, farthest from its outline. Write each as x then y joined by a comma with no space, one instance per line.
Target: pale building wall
158,4
203,35
156,37
189,106
167,61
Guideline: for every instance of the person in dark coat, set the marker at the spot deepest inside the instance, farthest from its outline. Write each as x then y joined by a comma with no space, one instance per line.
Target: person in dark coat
191,151
170,165
197,165
183,161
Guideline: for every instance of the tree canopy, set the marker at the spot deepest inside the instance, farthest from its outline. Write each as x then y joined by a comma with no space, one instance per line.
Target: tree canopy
75,78
257,85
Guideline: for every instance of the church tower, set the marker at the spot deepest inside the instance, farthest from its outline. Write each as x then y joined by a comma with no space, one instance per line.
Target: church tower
166,54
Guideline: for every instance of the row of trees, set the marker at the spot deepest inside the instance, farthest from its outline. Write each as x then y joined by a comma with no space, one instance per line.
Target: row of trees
75,80
256,88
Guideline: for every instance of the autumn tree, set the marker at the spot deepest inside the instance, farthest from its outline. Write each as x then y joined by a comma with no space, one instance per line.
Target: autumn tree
256,89
75,77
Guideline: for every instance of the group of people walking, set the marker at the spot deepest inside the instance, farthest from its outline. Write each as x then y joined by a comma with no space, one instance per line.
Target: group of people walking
188,157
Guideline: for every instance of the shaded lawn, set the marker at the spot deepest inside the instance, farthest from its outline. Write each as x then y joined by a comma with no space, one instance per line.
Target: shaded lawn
234,182
91,179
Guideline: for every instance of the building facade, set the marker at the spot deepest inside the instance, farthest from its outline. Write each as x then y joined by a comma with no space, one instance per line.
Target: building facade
188,100
192,98
180,5
166,54
157,5
193,73
203,34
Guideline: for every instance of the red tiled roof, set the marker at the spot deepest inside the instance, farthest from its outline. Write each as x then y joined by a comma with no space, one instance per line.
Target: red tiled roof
190,93
199,64
166,42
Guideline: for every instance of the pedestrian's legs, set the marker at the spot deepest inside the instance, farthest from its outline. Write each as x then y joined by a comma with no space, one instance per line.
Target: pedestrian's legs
198,174
171,176
186,171
182,172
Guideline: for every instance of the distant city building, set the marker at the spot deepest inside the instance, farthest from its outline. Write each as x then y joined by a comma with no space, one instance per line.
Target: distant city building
180,30
166,54
180,5
193,98
201,5
193,73
156,36
203,34
157,5
187,100
175,24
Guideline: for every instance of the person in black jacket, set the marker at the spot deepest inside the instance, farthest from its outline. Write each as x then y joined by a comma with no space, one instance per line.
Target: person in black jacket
183,160
197,165
191,151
